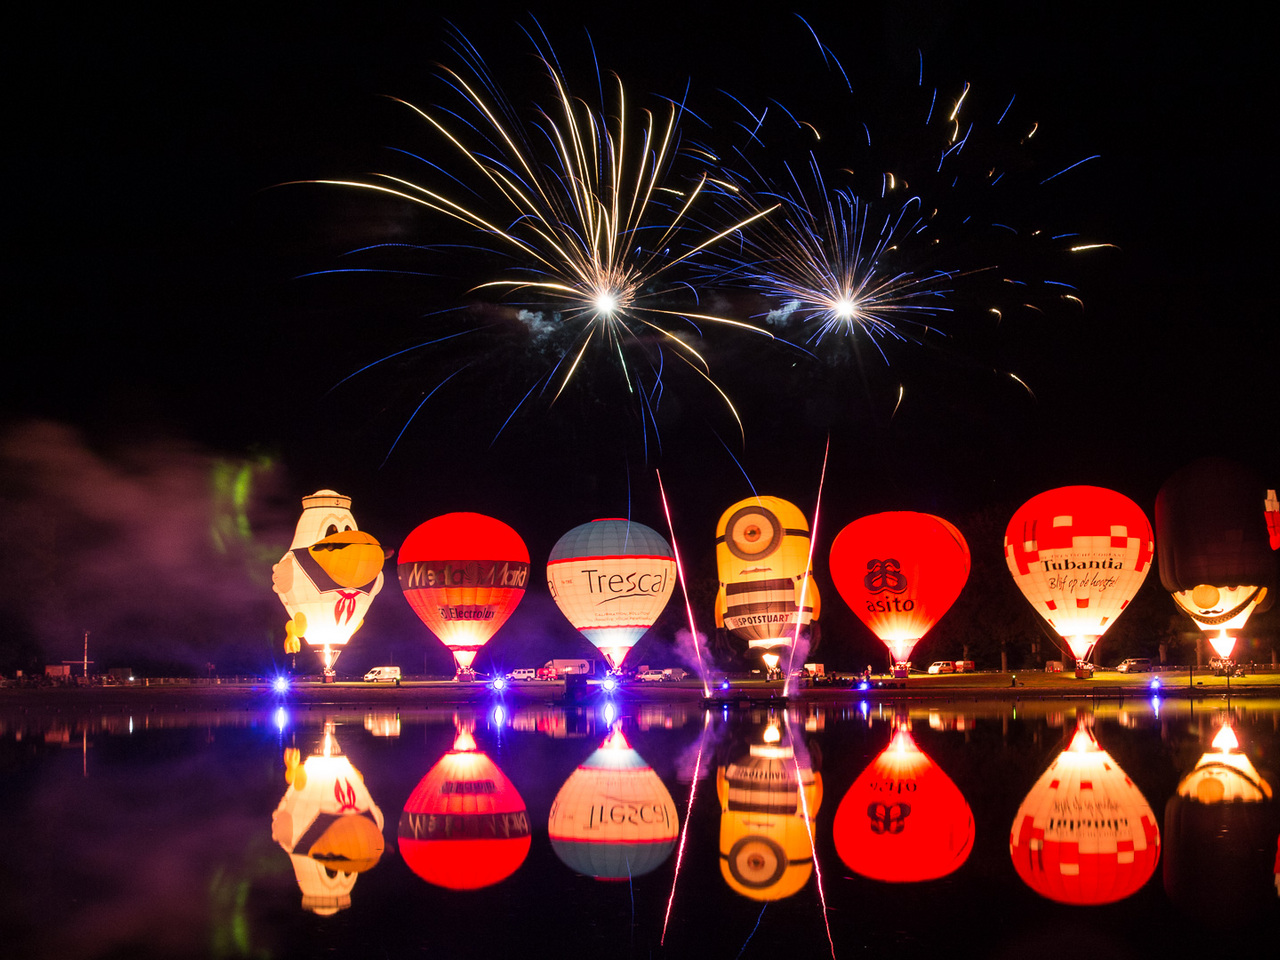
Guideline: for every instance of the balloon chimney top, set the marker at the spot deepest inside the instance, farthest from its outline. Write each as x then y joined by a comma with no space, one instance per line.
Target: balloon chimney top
326,498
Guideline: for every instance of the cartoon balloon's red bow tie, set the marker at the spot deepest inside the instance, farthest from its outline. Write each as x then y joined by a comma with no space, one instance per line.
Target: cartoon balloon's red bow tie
346,602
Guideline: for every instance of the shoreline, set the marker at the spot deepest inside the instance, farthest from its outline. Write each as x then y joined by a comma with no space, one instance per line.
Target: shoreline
259,693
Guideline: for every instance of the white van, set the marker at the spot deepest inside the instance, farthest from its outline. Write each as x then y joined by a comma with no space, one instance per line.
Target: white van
1135,665
383,674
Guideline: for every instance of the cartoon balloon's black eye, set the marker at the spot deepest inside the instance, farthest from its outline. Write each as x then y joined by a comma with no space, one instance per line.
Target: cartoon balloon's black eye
331,530
753,532
347,528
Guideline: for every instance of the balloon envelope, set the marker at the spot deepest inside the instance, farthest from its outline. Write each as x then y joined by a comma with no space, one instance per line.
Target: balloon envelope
463,574
465,825
329,576
613,818
903,820
1079,554
1085,834
900,572
611,578
766,585
1214,546
329,825
769,800
1219,831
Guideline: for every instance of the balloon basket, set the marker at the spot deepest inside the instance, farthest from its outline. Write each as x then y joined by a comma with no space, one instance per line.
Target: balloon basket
1084,673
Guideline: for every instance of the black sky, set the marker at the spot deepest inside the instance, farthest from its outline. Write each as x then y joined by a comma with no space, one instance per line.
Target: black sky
155,291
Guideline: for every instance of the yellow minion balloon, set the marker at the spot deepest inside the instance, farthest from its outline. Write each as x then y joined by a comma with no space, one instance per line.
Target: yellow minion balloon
766,583
769,801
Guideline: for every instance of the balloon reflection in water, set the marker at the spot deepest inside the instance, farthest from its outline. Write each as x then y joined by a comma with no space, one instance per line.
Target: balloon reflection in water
1084,834
769,799
900,572
613,818
1079,554
1220,836
611,579
463,574
328,824
465,825
766,584
903,820
328,578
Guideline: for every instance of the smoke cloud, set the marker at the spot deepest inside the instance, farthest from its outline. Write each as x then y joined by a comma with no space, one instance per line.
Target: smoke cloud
158,548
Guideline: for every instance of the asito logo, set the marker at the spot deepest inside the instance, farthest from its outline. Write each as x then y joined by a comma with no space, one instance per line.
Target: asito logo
885,576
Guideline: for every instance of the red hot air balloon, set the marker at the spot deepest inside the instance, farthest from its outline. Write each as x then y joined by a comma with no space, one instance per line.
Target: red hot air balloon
1079,554
611,579
465,825
900,572
903,820
1084,834
463,574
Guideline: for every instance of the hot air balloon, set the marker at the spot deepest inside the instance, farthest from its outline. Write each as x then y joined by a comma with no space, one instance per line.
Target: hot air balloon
766,582
769,799
903,820
465,825
328,578
328,824
900,572
463,574
1215,550
1220,828
611,578
613,819
1084,834
1079,554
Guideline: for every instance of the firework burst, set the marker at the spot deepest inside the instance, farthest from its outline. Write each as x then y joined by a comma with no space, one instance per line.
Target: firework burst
917,229
593,210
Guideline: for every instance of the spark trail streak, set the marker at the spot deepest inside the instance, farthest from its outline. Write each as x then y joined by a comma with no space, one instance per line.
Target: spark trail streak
804,587
688,605
813,848
684,833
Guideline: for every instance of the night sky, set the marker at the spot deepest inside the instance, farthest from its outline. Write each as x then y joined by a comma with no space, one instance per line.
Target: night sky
173,309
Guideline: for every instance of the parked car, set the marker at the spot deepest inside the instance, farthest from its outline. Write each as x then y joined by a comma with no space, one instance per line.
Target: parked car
383,675
524,673
651,676
964,666
943,666
1135,665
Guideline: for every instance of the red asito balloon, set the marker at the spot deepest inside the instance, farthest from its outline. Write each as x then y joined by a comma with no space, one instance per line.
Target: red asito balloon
903,820
900,572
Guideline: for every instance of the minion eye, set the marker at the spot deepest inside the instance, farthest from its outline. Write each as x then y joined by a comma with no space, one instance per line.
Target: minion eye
752,533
